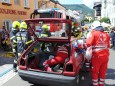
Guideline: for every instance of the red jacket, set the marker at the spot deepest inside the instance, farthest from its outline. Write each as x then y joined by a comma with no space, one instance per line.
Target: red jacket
100,42
62,54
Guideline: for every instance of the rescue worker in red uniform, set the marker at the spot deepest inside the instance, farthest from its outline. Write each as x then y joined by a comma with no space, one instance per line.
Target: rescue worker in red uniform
61,55
100,42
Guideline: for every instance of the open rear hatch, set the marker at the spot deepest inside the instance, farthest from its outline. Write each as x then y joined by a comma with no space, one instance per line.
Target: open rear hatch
44,48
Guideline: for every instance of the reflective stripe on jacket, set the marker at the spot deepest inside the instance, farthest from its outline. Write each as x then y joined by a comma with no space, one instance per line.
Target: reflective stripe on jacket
62,49
23,40
13,40
100,41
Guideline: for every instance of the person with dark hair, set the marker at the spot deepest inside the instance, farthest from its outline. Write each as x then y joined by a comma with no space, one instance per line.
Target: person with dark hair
112,35
4,39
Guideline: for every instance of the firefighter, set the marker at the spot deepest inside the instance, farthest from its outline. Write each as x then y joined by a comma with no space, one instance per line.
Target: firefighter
15,29
85,32
45,32
77,33
76,30
59,58
23,39
73,28
100,42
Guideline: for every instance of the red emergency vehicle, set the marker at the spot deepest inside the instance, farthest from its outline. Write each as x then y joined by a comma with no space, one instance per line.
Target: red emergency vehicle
50,13
64,73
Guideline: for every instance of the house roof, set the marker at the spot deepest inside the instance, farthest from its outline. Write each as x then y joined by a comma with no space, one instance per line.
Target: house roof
56,2
97,4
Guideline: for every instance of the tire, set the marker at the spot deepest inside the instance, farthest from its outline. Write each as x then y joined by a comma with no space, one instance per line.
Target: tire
77,80
83,68
33,84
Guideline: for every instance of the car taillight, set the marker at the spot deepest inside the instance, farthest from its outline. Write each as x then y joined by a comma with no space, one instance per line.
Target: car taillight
23,67
69,68
22,64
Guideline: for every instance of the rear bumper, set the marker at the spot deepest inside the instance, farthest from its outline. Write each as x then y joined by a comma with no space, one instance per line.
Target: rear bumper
47,78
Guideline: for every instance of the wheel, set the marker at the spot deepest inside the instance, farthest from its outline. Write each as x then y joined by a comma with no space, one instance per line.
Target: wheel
77,81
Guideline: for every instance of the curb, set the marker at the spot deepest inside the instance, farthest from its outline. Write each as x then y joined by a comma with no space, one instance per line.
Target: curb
6,71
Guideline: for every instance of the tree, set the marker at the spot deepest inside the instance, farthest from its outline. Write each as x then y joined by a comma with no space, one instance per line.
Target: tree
91,21
105,19
85,20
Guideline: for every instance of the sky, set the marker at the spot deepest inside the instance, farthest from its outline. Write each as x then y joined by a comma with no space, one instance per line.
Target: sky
88,3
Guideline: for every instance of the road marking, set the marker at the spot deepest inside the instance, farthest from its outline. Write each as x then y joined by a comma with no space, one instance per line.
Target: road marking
7,77
110,82
6,71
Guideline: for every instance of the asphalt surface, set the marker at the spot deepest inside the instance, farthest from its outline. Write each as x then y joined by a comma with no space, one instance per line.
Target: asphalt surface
5,62
85,77
110,76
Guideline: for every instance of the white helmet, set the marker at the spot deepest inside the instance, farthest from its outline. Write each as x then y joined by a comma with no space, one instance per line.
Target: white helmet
88,53
95,24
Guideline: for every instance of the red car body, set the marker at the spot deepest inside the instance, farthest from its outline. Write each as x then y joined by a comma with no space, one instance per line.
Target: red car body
28,63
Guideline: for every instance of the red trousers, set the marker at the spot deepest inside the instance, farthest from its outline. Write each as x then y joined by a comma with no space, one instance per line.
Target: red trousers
99,68
59,58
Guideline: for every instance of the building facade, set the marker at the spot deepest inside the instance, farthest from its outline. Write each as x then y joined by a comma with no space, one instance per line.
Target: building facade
11,10
43,4
97,10
108,10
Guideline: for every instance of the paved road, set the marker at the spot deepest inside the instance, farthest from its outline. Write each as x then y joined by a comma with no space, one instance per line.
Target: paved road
85,79
110,77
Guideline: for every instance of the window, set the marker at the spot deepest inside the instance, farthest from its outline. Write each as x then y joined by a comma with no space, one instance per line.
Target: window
98,13
113,2
48,6
35,4
17,2
114,9
114,21
7,24
6,1
43,5
26,3
46,15
58,15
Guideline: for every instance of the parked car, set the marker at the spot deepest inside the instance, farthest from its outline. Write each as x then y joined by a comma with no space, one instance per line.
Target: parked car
30,63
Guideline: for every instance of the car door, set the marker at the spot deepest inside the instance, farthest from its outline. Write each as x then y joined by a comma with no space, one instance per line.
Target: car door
77,57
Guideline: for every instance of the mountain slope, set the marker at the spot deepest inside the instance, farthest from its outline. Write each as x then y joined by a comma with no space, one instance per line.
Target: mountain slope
82,7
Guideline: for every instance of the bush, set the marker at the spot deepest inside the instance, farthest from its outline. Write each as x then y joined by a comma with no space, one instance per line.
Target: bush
105,19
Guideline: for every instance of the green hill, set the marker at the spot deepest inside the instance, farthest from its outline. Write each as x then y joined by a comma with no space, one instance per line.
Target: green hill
86,10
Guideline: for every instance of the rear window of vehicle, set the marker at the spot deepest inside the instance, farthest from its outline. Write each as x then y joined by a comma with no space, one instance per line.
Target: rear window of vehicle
51,30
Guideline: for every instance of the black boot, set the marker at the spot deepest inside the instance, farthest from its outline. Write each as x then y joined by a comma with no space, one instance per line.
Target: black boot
14,67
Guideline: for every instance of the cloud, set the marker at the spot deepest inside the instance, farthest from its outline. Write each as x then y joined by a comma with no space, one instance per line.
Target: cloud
88,3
